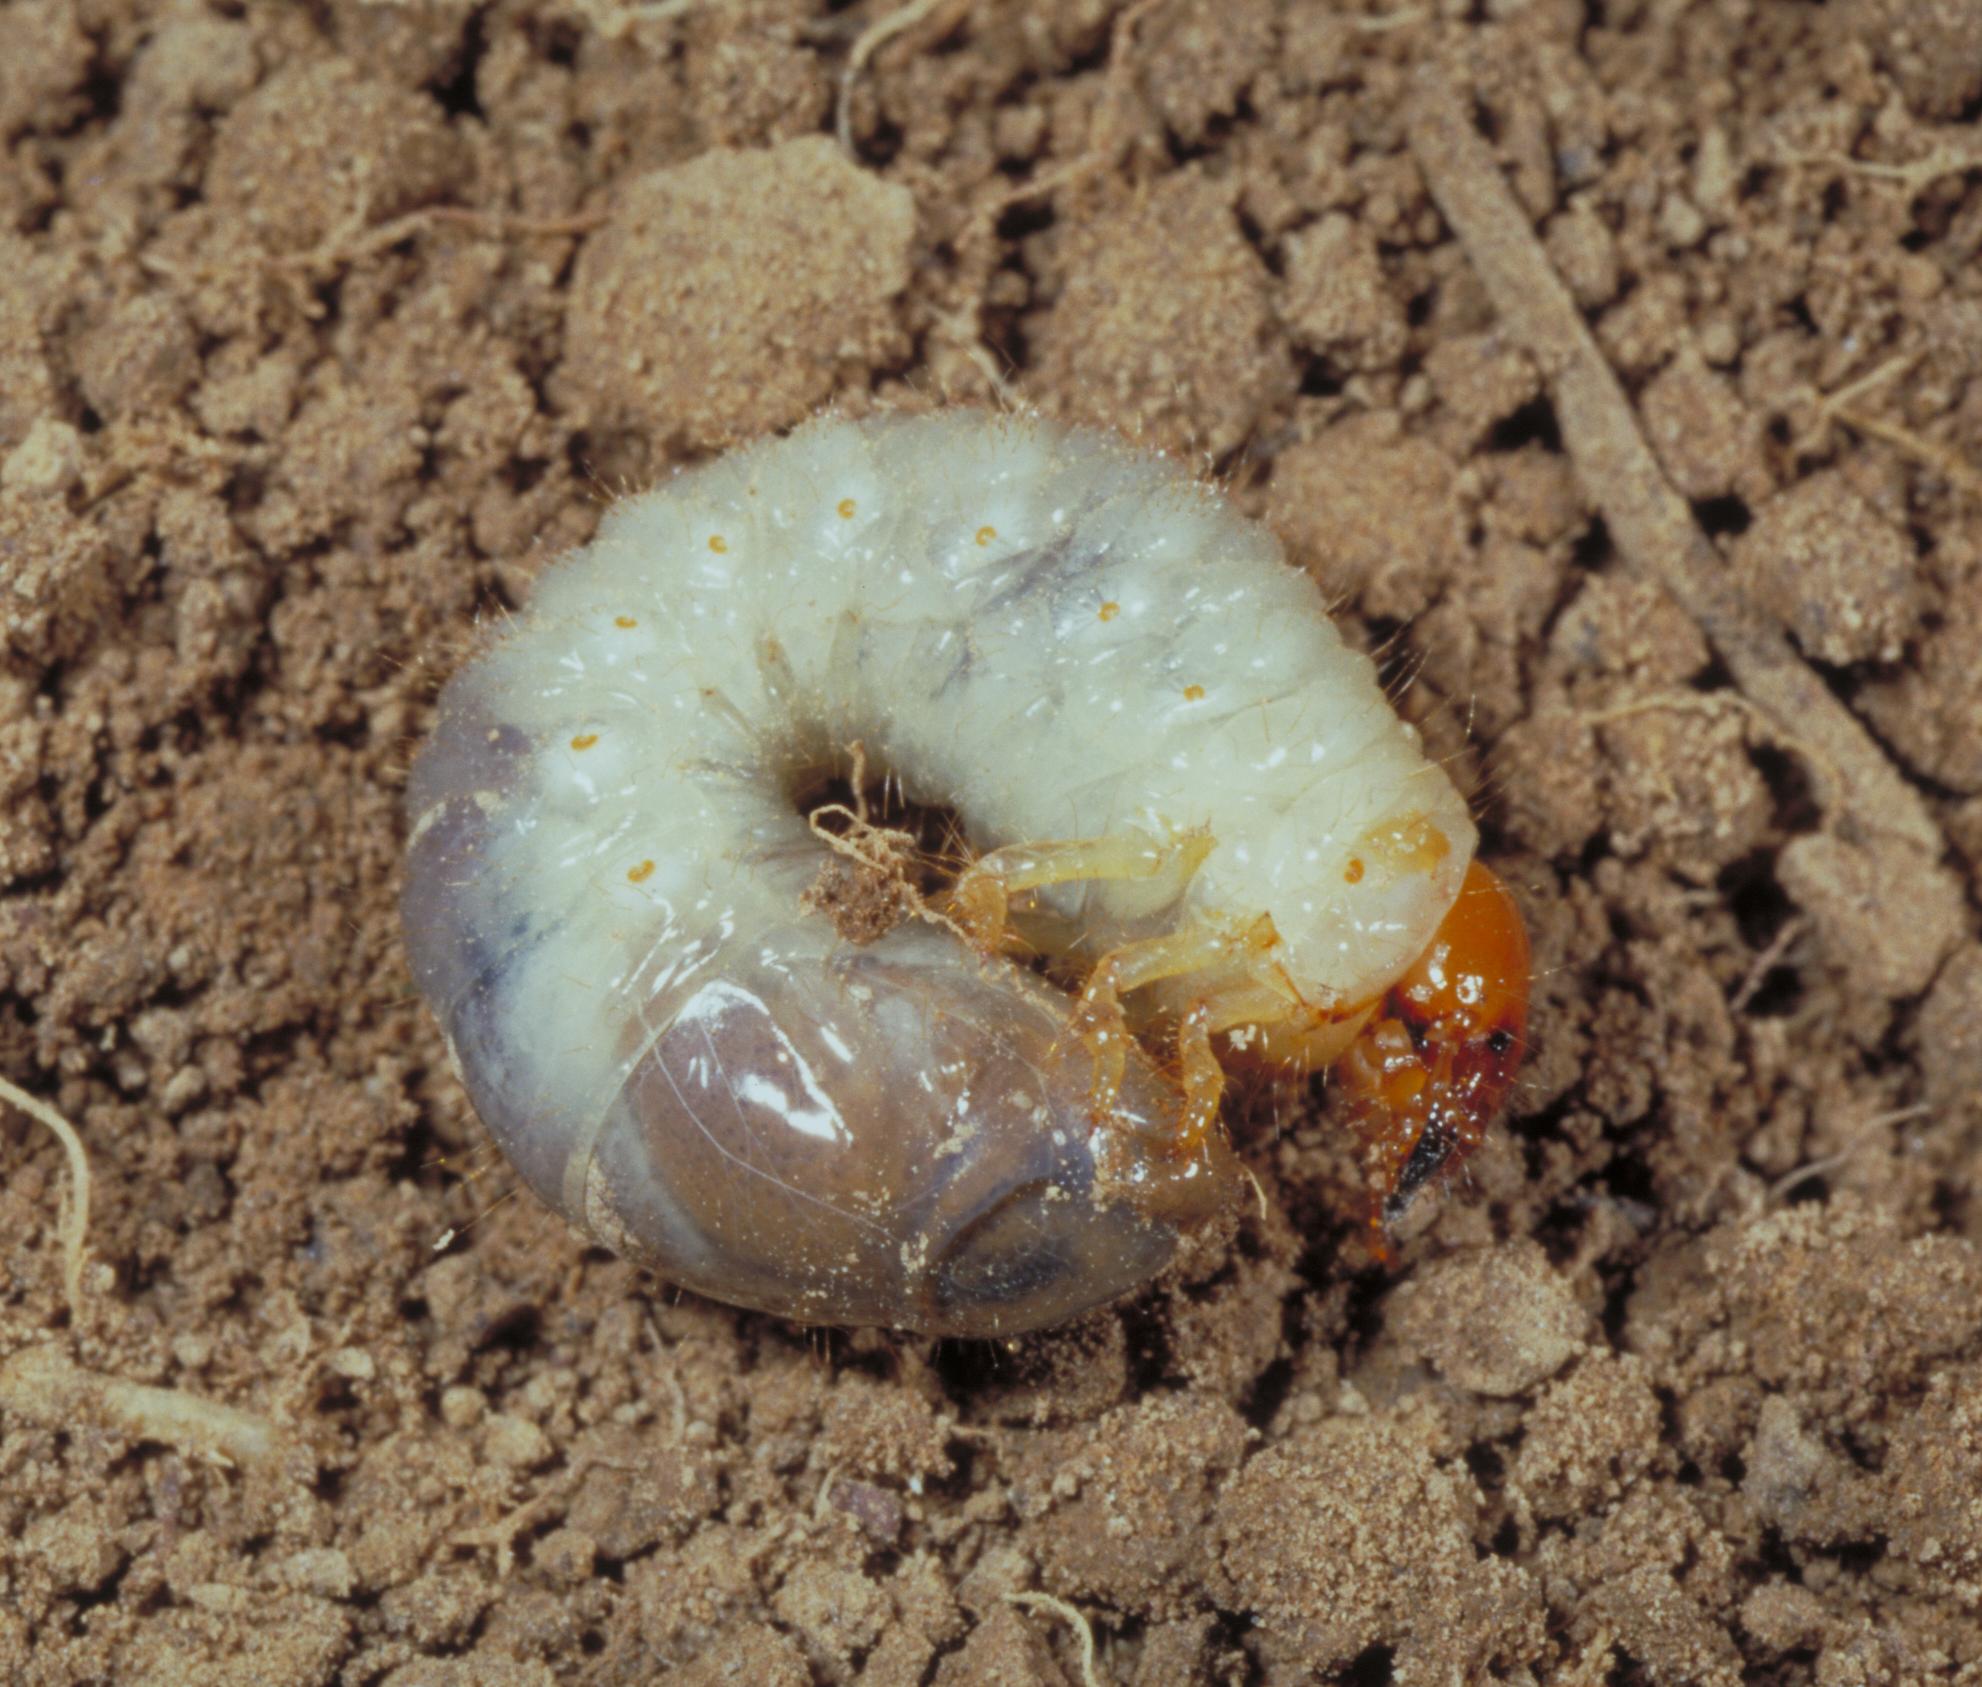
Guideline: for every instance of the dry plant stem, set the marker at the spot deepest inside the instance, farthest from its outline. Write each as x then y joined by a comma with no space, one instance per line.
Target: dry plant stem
1650,522
1069,1614
45,1387
75,1210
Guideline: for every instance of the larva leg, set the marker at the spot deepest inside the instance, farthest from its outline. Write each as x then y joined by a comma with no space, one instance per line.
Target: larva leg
1203,1079
1260,1000
1101,1024
1201,1073
981,899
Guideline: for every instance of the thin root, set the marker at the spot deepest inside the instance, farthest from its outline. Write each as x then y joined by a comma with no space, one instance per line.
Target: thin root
1083,1629
885,852
1921,173
1944,460
352,245
1829,1163
822,1503
1767,962
1831,405
353,242
961,324
75,1205
44,1386
501,1535
1379,23
1840,406
872,39
651,11
671,1380
1712,704
1107,122
1259,1193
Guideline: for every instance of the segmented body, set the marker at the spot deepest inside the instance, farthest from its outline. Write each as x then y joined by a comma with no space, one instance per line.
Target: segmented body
1050,635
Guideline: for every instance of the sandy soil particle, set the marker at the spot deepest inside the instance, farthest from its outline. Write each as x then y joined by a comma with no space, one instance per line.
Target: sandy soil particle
1931,709
1932,47
323,328
1354,1536
680,304
1116,1510
1373,513
1835,573
282,163
1158,319
1890,928
1497,1324
1337,302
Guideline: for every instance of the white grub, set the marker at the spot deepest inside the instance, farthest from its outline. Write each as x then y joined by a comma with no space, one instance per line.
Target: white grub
1039,628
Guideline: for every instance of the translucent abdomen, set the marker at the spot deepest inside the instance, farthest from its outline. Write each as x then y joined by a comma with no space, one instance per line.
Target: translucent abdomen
896,1134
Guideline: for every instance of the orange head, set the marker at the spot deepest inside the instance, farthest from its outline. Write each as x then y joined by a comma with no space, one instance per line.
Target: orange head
1433,1065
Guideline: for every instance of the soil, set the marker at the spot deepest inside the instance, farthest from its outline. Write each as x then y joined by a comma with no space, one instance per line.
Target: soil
322,327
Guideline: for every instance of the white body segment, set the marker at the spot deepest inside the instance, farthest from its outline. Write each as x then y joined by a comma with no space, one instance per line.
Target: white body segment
1051,634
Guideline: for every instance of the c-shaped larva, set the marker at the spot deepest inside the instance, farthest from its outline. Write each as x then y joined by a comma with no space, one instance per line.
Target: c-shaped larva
1192,829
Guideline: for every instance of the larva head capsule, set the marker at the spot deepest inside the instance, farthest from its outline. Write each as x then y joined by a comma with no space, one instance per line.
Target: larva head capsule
1433,1066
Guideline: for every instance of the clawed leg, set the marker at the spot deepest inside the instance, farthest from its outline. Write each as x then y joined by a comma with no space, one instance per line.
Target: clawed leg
1200,1071
1240,990
1099,1020
1242,984
981,899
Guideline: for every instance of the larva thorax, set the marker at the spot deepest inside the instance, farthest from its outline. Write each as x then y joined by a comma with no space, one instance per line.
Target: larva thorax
1170,777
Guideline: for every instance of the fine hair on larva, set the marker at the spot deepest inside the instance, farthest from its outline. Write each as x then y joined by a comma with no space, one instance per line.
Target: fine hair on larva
1038,629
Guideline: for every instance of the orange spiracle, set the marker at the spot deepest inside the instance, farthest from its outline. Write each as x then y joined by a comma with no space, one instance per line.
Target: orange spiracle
1428,1073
